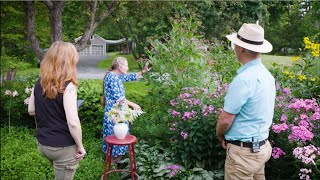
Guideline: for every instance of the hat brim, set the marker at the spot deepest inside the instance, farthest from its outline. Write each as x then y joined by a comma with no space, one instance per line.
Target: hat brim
265,47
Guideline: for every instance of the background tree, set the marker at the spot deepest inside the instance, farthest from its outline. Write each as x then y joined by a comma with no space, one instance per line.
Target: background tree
96,12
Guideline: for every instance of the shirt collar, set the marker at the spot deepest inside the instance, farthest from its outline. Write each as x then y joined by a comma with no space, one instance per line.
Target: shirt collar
248,64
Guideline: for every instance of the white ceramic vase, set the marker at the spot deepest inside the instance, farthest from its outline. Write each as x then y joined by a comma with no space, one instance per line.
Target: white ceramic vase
120,130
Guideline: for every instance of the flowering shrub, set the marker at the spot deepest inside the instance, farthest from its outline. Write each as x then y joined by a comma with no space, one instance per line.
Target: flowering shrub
121,112
303,77
295,135
194,115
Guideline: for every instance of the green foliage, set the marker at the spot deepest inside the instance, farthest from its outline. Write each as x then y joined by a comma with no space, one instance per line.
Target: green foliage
91,112
13,32
14,63
225,63
19,156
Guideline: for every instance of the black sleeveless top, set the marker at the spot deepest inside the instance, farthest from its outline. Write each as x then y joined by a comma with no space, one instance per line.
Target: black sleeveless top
51,119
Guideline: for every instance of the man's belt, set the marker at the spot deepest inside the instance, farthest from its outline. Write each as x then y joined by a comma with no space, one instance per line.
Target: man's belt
246,144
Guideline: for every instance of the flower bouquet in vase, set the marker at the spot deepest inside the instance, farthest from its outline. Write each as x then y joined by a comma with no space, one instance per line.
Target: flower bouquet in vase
121,115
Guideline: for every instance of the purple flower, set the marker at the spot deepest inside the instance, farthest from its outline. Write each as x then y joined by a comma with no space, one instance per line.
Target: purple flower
277,152
175,113
184,134
277,128
286,91
300,133
277,86
283,118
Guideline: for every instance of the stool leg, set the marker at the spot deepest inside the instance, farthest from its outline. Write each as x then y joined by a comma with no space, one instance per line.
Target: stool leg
110,157
107,161
134,159
131,161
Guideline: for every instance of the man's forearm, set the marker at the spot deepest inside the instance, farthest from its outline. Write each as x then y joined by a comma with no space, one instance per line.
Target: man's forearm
224,123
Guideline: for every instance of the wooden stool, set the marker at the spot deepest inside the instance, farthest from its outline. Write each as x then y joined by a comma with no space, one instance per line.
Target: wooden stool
129,141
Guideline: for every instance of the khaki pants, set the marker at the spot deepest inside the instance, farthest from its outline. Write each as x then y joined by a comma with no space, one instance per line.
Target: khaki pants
62,159
242,164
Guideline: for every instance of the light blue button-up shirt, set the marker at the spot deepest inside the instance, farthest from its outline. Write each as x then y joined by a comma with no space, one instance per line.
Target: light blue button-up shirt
251,97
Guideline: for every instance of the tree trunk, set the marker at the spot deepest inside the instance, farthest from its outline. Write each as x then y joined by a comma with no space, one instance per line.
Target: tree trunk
56,9
31,34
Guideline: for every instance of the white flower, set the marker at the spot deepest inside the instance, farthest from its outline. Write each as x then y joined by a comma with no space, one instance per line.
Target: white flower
7,93
15,93
121,112
26,101
27,90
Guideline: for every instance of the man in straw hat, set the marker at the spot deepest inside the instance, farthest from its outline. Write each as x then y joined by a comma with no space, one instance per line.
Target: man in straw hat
243,125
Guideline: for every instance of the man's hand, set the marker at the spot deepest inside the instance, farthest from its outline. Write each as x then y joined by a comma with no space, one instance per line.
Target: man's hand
224,144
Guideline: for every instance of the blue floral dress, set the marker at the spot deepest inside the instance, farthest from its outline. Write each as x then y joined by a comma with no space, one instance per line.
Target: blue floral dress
114,90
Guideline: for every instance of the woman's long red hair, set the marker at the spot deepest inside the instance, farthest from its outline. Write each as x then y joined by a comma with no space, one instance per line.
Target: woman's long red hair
57,67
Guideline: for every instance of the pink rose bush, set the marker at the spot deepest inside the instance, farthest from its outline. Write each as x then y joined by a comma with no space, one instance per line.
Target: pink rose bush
295,134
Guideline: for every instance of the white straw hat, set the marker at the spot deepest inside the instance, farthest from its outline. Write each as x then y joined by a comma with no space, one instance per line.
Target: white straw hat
251,37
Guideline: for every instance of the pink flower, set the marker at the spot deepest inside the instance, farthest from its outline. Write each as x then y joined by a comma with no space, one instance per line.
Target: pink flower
175,113
316,116
189,115
277,152
277,128
184,134
300,133
172,103
286,91
283,118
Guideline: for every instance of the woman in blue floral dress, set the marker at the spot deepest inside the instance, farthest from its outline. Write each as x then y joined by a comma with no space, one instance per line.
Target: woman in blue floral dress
114,90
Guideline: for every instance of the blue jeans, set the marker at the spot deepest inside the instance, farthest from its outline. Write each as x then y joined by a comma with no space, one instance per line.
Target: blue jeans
62,159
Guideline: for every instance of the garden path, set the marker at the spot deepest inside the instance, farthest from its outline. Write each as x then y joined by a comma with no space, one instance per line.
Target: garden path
87,67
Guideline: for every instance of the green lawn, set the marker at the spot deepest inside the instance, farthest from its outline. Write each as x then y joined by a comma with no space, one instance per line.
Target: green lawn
269,59
105,64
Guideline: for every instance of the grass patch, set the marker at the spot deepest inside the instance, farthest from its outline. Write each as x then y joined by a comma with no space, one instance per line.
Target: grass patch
28,72
267,60
133,65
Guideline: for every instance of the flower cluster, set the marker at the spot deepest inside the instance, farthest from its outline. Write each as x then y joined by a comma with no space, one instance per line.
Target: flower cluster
307,154
11,93
277,152
297,125
304,174
121,112
174,169
310,45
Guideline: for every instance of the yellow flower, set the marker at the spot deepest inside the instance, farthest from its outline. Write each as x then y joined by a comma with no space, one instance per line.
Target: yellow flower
291,76
295,58
312,46
285,72
301,77
313,79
